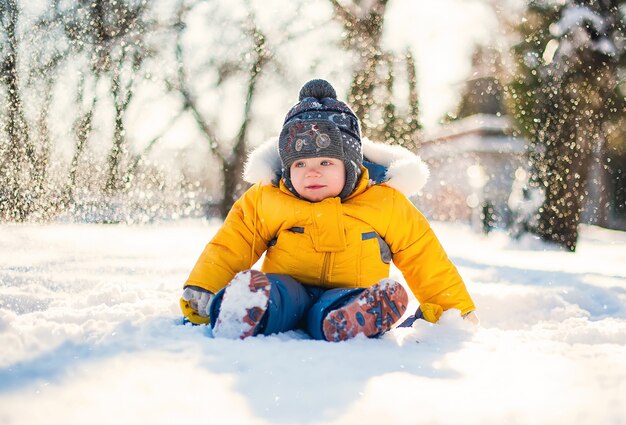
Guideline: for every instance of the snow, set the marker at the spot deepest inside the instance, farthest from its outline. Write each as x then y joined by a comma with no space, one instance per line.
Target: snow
241,297
576,16
574,30
91,332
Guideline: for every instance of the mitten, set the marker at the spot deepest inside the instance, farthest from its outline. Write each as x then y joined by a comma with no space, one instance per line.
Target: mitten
427,311
431,312
195,303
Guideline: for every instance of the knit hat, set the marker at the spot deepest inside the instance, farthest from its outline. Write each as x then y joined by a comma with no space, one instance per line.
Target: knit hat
320,125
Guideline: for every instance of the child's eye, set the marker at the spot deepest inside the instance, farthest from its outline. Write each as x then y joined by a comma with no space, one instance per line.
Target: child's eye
299,164
326,163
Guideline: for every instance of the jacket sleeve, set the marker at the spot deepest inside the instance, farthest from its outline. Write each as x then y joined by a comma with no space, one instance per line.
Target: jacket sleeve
418,254
231,249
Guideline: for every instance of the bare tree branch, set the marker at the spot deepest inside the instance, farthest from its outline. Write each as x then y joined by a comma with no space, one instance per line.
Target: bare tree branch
189,100
348,18
140,158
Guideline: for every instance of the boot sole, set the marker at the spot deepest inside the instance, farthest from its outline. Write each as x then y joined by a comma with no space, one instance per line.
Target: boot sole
373,312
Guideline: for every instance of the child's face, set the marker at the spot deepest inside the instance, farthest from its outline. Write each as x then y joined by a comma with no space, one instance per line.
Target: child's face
318,178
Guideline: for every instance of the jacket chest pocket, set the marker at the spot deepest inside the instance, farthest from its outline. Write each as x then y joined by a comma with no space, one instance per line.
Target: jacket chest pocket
372,241
274,240
289,252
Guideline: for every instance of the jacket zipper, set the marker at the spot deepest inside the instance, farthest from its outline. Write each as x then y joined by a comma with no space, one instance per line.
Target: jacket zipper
325,268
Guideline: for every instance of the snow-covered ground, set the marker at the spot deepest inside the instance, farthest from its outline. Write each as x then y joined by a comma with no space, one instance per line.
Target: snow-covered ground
90,333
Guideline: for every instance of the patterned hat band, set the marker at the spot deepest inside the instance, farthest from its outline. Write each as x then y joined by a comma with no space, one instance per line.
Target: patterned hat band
301,139
347,122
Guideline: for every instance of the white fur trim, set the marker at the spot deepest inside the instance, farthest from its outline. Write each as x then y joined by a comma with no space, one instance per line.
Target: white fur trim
406,172
263,163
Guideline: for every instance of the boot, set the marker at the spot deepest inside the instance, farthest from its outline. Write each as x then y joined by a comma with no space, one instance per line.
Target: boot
371,313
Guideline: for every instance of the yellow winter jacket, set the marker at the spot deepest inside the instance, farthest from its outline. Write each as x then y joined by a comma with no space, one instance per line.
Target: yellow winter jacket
332,243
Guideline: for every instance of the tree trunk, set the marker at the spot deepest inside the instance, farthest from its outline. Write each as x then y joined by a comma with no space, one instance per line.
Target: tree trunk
121,100
115,156
82,132
232,182
232,166
41,165
561,212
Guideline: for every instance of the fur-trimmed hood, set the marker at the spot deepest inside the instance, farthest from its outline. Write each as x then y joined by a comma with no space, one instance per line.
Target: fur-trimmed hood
403,170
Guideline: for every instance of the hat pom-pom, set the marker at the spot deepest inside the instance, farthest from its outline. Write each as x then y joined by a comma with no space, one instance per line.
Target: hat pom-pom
319,89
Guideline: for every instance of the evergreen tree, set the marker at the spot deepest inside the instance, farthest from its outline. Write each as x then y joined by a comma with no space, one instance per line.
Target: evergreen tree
371,94
568,91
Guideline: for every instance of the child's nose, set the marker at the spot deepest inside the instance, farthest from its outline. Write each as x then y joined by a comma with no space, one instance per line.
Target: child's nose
313,169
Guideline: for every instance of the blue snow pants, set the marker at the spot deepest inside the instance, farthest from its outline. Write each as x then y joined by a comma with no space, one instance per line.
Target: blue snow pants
293,305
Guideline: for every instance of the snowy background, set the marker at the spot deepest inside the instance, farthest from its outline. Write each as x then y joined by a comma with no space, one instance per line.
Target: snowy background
91,332
127,112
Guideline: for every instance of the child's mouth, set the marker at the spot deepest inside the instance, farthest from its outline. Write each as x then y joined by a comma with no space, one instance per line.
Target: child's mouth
315,186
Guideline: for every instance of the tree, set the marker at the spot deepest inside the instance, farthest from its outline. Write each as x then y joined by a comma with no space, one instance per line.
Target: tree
375,69
571,63
230,154
110,33
17,153
102,41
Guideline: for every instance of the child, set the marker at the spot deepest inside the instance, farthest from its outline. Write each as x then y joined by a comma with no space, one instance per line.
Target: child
329,224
